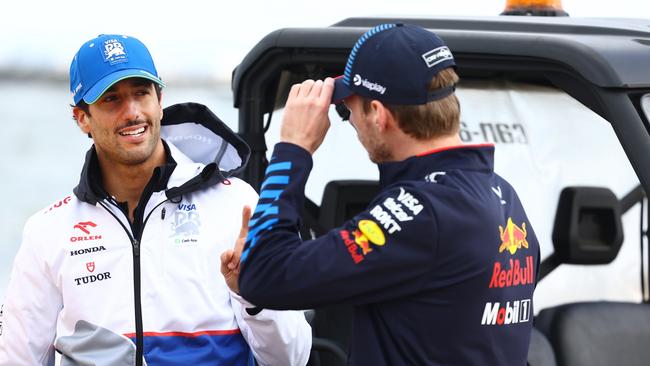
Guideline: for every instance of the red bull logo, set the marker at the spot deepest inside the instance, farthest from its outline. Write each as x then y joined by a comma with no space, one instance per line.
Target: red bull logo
362,242
351,246
512,237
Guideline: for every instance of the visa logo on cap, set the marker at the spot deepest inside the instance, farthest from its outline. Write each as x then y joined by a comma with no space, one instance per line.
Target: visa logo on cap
437,55
114,51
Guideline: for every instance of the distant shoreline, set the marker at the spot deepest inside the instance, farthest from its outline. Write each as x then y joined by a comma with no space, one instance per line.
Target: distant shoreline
47,76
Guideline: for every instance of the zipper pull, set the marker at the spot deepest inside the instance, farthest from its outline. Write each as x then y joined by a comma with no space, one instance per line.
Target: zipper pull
136,248
162,214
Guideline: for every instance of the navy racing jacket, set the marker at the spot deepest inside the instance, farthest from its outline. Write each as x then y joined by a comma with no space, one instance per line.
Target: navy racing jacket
440,267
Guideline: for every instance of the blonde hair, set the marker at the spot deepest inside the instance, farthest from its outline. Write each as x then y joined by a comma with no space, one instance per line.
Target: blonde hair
437,118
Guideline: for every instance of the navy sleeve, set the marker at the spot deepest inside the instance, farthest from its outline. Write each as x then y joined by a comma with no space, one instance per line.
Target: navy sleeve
384,252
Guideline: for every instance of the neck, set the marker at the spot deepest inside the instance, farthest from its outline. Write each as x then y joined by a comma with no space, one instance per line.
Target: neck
127,182
405,146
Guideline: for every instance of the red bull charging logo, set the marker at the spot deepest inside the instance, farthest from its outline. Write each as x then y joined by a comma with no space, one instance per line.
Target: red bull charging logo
512,237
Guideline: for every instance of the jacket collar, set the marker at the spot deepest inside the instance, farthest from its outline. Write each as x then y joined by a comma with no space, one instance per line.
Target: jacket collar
201,151
462,157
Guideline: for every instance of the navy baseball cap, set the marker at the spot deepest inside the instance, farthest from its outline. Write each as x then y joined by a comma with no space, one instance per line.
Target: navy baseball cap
394,63
105,60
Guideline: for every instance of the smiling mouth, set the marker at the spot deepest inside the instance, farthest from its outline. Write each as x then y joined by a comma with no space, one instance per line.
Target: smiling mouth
135,132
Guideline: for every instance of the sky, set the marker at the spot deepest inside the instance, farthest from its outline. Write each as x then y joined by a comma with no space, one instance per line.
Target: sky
205,40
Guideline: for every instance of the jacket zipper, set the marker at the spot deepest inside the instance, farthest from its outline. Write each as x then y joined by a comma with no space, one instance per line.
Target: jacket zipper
137,294
137,299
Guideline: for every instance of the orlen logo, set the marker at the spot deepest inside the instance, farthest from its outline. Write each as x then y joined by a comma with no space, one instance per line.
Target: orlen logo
517,311
84,226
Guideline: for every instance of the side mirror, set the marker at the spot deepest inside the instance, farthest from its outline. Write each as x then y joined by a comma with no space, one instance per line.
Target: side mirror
588,227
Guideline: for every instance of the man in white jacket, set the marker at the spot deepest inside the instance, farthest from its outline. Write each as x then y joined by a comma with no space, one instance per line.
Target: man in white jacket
125,270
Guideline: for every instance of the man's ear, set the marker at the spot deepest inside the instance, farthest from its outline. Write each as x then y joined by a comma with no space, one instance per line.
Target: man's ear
382,116
82,119
160,99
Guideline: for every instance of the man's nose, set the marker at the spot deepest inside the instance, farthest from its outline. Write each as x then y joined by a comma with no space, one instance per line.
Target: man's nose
131,109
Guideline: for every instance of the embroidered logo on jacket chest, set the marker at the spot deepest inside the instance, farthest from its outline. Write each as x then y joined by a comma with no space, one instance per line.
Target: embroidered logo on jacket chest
186,224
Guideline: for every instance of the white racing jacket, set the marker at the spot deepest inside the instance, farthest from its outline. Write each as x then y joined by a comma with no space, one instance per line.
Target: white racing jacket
102,291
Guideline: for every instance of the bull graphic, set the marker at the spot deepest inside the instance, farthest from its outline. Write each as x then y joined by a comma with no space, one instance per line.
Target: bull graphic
512,237
187,228
113,49
362,242
186,223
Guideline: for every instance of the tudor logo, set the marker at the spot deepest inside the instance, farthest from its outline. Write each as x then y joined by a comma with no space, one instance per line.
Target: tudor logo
83,226
90,266
357,80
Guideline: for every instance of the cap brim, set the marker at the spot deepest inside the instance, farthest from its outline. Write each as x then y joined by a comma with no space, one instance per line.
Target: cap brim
341,91
109,80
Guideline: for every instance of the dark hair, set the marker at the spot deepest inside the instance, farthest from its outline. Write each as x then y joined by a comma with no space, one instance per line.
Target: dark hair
436,118
86,108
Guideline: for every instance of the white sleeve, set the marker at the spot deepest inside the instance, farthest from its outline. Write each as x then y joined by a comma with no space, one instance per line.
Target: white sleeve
31,307
275,337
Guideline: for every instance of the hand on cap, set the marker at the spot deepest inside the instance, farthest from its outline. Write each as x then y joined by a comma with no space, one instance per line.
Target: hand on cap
306,119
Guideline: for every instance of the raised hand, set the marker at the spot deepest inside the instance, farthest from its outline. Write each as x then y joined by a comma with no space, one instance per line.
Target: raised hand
306,119
230,258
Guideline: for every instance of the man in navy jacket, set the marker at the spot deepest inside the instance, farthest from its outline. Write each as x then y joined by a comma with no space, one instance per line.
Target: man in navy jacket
441,266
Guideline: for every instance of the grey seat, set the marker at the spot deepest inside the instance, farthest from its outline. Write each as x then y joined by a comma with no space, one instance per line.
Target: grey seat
598,333
540,352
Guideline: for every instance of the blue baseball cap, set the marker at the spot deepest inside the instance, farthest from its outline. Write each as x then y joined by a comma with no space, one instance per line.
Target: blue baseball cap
394,63
105,60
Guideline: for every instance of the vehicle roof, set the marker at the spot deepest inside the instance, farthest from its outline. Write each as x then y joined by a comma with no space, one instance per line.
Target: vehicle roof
610,53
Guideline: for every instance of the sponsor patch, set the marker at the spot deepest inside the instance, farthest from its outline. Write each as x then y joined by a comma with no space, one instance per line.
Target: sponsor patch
517,311
432,178
58,204
372,231
90,250
358,241
514,275
114,51
351,246
186,226
88,279
512,237
358,80
437,55
385,219
409,201
85,227
84,280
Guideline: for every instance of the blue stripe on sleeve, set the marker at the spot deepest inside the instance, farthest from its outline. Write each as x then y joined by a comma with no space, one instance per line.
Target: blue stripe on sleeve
276,179
278,166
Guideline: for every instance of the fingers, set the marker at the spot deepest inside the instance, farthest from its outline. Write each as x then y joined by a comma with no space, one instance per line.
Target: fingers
306,88
243,233
319,89
226,258
245,218
327,91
